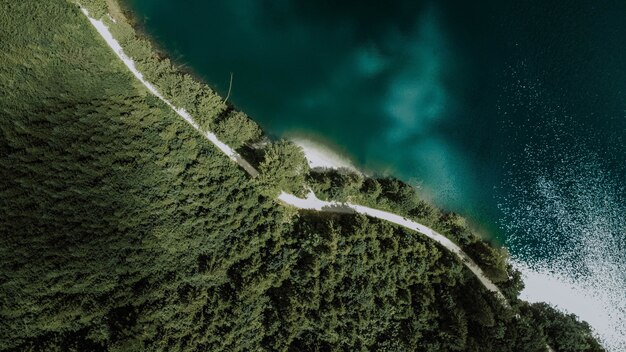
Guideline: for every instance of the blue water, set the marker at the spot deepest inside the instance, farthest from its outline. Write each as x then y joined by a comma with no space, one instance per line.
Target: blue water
512,113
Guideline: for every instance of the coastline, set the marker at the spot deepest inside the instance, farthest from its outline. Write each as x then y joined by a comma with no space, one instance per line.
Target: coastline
575,295
311,202
321,156
127,14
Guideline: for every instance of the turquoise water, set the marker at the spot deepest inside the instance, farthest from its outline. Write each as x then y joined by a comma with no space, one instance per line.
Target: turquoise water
511,113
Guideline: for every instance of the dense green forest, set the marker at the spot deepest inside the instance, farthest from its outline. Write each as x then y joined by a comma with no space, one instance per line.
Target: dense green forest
123,229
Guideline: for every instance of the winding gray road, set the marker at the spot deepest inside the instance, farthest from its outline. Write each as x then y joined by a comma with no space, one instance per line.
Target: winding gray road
311,202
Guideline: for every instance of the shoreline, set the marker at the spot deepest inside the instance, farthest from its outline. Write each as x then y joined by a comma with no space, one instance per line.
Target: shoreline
321,156
600,308
137,23
311,202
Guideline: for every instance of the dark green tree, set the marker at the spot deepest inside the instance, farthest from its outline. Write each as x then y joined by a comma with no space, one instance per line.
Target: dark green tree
237,129
283,168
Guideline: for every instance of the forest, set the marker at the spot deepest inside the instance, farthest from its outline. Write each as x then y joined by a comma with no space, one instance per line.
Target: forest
123,229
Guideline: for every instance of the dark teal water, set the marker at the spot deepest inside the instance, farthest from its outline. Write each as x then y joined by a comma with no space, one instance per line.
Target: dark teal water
512,113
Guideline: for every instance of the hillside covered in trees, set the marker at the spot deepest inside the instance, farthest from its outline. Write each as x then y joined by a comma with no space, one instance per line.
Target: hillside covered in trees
122,229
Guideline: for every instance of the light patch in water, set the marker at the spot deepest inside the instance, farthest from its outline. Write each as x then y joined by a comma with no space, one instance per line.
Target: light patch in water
416,95
417,101
443,169
369,61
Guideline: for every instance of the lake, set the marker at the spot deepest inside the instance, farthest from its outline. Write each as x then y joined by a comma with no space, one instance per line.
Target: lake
511,113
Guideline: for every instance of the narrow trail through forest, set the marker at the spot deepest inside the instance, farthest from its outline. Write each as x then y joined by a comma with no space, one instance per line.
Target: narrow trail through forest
311,202
314,203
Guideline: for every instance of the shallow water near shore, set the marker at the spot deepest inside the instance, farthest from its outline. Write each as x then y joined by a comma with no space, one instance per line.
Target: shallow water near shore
513,114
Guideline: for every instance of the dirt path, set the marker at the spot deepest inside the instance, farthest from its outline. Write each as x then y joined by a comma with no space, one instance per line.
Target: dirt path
311,202
314,203
104,32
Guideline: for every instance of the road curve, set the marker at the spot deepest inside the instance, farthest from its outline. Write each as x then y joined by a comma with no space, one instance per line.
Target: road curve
311,202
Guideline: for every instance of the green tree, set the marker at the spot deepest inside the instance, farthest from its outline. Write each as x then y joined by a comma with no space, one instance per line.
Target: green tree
283,168
237,129
564,331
